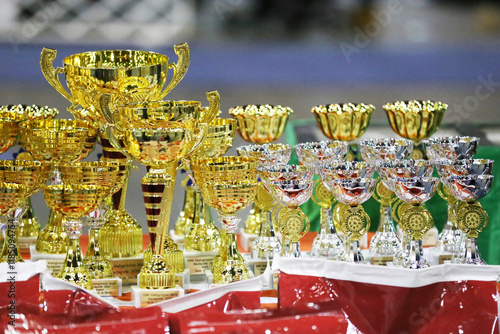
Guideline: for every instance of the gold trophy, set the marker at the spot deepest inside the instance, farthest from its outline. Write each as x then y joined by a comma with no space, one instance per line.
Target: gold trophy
110,176
344,121
73,201
56,142
415,120
127,75
259,124
228,184
30,174
11,198
159,134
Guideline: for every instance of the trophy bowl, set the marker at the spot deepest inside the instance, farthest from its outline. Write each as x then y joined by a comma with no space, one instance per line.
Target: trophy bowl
343,121
469,188
313,153
415,190
58,141
11,115
415,120
128,75
389,171
268,154
447,168
451,148
385,149
261,124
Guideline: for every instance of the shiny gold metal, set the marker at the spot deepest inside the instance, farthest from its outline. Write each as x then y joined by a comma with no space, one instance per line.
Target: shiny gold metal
346,122
128,75
30,174
110,176
202,235
415,120
11,197
186,215
11,115
228,184
74,201
121,235
57,142
261,124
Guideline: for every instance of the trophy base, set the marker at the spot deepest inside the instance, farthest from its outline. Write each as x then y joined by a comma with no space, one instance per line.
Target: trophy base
210,279
257,266
76,275
121,236
198,262
25,243
146,297
108,286
127,269
246,240
179,240
183,279
54,261
435,256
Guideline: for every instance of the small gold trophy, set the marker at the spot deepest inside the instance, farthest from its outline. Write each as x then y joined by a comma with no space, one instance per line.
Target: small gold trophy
109,175
73,201
259,124
228,184
56,142
31,175
415,120
344,121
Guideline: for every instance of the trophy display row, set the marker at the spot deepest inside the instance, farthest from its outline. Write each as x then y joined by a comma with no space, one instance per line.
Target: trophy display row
117,99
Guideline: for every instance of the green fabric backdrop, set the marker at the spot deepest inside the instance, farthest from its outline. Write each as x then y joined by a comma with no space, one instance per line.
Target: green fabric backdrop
489,239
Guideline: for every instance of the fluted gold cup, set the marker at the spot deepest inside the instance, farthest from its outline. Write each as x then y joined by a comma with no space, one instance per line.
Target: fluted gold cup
201,233
127,75
108,175
228,185
57,142
259,124
415,120
73,201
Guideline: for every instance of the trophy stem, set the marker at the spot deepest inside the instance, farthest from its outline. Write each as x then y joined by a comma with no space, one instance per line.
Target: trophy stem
266,246
29,226
252,223
355,255
10,249
450,236
186,216
201,235
73,269
415,258
53,238
158,190
121,236
229,266
470,253
328,244
385,242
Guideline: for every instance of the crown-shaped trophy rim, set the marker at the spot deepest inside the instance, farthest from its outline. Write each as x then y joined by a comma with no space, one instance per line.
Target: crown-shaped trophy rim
343,107
22,112
71,59
268,110
415,106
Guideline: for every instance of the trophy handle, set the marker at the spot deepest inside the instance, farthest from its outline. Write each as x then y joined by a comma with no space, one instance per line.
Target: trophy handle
213,106
180,69
113,140
104,102
51,74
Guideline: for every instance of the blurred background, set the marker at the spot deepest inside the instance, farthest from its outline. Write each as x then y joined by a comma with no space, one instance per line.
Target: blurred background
295,53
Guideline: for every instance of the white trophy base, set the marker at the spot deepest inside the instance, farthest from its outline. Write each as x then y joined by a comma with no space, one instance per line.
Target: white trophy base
127,268
146,297
108,286
198,262
246,240
54,261
25,244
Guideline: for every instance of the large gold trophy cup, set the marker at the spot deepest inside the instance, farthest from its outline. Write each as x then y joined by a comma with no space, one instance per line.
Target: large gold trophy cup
159,134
